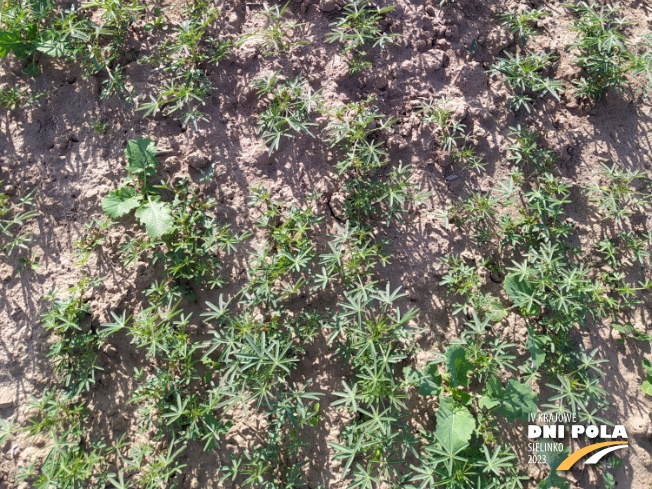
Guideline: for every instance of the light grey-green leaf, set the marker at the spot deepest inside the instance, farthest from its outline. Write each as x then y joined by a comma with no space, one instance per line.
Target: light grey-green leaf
455,424
520,292
535,345
53,48
553,459
492,391
430,382
517,401
647,365
156,216
141,156
121,201
646,387
516,289
458,365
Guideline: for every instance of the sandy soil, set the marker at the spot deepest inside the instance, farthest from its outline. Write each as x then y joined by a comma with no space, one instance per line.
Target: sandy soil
54,150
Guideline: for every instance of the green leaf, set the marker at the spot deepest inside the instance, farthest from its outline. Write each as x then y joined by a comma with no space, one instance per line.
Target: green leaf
646,387
156,216
609,481
455,425
53,48
492,391
496,312
647,365
314,421
13,41
534,344
119,202
553,459
430,384
516,288
6,41
458,365
411,376
141,156
520,292
461,396
32,69
517,401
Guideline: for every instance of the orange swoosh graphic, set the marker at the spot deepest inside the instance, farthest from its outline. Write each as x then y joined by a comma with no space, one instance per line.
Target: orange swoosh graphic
574,457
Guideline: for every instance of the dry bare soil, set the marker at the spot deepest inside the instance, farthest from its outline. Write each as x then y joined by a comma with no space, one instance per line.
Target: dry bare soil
54,150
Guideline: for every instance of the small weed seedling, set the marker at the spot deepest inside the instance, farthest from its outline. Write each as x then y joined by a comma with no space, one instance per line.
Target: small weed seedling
14,98
604,50
452,135
291,103
12,217
473,48
100,126
93,235
524,75
184,58
519,23
358,30
28,263
275,37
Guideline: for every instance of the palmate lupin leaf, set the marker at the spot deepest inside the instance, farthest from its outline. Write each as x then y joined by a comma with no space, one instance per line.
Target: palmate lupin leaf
358,29
524,75
291,105
519,22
